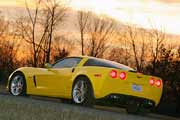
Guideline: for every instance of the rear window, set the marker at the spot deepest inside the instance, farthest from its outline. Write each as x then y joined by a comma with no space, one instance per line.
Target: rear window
107,63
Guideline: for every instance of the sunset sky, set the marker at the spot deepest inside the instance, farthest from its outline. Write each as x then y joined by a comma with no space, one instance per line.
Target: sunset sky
162,14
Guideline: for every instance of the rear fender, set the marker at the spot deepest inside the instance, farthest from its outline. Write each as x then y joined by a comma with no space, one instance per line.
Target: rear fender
96,76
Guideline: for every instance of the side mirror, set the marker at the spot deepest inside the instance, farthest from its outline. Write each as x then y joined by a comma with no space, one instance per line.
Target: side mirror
48,65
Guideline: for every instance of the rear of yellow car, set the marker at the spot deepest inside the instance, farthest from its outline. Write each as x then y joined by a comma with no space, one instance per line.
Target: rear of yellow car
128,86
121,84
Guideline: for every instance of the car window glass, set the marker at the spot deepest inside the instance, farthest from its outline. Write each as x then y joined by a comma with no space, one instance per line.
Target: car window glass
67,63
107,63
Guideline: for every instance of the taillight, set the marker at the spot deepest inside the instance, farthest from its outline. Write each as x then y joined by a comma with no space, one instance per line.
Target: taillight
158,83
155,82
113,74
122,75
152,81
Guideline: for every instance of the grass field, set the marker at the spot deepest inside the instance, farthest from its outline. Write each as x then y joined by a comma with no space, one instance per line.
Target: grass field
33,108
20,108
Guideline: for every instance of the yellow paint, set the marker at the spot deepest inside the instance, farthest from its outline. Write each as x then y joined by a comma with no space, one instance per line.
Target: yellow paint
58,82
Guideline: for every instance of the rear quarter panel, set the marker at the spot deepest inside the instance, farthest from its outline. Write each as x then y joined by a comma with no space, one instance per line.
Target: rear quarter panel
96,75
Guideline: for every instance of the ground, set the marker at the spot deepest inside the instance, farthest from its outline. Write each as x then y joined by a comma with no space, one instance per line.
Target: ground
38,108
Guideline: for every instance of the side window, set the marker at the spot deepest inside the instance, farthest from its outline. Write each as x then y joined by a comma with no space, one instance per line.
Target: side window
92,62
67,63
106,63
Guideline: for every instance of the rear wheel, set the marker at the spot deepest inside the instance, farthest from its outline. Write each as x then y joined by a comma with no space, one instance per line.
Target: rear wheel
17,85
82,92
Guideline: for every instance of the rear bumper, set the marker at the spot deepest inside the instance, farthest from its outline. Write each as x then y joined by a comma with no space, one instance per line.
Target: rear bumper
124,100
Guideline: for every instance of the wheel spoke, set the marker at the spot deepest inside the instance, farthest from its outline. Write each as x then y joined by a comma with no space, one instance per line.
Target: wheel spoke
13,85
17,85
82,86
78,92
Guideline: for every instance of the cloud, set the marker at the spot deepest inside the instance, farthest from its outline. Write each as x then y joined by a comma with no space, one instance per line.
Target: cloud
169,1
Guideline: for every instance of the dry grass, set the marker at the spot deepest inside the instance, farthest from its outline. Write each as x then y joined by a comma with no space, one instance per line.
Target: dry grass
28,108
21,108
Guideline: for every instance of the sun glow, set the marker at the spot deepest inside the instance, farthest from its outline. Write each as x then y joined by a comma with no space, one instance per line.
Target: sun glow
163,15
97,6
8,3
143,13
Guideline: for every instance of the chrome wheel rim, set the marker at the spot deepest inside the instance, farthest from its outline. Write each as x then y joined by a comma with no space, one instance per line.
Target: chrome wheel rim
79,92
17,85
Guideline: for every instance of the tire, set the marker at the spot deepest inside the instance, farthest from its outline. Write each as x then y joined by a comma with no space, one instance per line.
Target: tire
17,85
82,92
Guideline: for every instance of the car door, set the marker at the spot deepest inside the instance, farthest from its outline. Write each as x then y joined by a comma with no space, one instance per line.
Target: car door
58,80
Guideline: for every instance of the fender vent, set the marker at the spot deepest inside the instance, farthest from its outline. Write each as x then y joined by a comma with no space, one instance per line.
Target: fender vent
34,80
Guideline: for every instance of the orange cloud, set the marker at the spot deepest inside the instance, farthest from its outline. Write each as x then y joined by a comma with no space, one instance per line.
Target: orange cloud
170,1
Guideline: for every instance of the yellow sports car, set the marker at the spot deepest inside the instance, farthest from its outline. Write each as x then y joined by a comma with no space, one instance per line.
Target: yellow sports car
85,80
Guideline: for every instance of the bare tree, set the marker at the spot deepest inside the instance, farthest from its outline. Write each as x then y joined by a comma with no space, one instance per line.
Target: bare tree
156,38
55,13
138,41
39,26
100,32
118,54
62,47
4,26
123,48
9,46
132,33
28,28
143,48
82,18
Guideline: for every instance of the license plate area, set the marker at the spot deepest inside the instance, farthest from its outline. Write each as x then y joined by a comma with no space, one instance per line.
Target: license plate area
136,88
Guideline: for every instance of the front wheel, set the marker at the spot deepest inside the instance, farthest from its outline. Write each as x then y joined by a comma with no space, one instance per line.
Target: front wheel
17,85
82,92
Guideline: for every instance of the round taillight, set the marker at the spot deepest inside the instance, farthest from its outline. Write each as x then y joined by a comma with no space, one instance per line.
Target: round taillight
158,83
113,74
151,81
122,75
